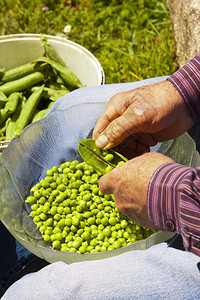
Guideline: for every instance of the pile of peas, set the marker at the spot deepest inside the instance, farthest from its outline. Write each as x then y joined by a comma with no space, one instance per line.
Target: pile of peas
73,215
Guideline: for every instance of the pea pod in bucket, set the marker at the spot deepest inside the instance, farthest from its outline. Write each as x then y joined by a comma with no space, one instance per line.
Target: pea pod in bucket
102,161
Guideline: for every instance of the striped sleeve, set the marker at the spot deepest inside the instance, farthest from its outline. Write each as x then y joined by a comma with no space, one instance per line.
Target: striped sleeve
187,81
174,202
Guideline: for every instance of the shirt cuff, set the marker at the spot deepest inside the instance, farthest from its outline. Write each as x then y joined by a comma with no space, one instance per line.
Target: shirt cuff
173,202
163,196
187,82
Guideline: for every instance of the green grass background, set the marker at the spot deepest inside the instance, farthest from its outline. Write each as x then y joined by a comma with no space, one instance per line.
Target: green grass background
132,40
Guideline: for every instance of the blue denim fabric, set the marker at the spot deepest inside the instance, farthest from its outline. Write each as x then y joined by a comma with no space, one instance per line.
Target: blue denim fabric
161,272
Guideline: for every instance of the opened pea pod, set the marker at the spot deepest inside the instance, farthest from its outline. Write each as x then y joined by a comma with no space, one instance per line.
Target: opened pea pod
102,161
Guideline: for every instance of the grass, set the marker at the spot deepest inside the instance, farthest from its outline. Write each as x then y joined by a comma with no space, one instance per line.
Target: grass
132,39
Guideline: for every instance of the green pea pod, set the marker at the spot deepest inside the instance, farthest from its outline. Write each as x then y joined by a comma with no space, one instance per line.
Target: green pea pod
102,161
56,86
51,94
67,76
27,111
22,83
50,52
3,99
4,126
20,71
40,114
10,106
10,130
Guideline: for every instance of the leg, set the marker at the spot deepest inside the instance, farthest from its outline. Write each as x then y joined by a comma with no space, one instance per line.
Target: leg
101,93
8,255
161,272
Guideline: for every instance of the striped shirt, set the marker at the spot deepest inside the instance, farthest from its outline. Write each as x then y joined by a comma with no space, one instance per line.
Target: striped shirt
174,191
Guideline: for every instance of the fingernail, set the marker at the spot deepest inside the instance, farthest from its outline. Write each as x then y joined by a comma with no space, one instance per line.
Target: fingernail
101,141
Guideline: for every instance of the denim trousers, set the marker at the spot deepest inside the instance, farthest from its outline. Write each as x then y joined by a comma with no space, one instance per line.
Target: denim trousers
164,271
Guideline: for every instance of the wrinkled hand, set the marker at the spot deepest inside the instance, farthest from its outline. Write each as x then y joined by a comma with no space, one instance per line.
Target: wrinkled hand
146,115
129,184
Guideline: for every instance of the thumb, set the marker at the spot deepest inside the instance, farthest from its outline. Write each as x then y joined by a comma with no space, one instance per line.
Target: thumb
106,183
116,132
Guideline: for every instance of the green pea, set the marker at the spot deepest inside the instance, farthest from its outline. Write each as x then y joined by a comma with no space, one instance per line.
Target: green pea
55,193
59,236
83,249
39,224
60,210
60,198
75,221
56,229
107,232
61,223
98,221
42,228
100,236
112,221
77,243
54,169
109,157
100,227
31,200
95,190
105,221
94,233
67,210
65,181
37,194
42,200
53,185
33,214
53,237
73,228
43,216
124,223
60,170
57,217
93,242
86,235
65,231
61,187
66,170
100,207
91,221
107,208
115,234
87,214
36,219
65,203
48,231
56,244
45,184
46,238
53,210
108,169
34,206
120,163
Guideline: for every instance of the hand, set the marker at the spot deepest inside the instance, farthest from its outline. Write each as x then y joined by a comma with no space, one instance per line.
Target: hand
150,114
129,184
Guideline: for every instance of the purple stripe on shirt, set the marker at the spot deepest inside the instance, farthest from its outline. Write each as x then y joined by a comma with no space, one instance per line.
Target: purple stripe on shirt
187,82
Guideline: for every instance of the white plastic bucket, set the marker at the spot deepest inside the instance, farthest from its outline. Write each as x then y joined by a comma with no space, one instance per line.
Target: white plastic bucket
18,49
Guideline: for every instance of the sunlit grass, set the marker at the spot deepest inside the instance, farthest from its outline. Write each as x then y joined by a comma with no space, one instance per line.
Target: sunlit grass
131,39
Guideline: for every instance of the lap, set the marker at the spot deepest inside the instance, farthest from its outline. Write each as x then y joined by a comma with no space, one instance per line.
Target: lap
160,272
